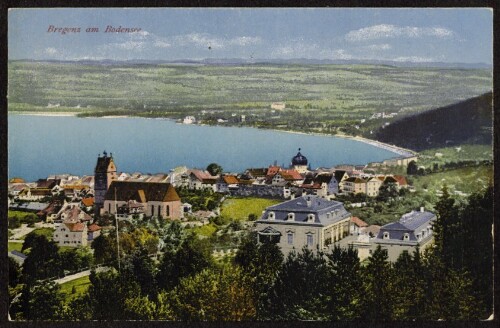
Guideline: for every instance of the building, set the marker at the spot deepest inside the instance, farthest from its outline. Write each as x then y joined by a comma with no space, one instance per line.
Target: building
373,186
104,175
72,234
278,105
157,199
354,185
309,221
412,230
299,163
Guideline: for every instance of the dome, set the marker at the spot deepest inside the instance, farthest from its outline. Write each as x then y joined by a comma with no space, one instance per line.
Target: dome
299,159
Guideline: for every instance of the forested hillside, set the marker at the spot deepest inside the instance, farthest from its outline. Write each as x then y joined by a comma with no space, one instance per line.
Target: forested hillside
467,122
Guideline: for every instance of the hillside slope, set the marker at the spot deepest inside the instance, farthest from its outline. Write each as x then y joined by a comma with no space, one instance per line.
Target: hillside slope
469,121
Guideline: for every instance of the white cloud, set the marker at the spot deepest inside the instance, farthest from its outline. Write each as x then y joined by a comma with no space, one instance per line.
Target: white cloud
414,59
384,31
245,40
378,47
51,51
162,44
130,45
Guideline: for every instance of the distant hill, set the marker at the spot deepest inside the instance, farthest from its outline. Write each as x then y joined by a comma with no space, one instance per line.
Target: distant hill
469,121
270,61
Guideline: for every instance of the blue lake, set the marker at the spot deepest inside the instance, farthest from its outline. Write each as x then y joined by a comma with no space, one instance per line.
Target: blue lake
42,145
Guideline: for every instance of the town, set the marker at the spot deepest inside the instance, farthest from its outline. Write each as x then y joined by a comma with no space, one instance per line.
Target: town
163,230
68,203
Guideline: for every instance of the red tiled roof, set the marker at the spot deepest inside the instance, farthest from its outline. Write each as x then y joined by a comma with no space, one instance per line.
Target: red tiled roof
357,221
94,227
75,227
201,175
401,180
272,170
88,201
230,179
291,175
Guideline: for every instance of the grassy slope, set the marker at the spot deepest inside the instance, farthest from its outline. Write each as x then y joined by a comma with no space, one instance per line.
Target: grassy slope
14,246
240,208
81,285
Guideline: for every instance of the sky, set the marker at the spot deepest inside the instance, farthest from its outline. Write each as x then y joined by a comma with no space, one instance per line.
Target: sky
404,35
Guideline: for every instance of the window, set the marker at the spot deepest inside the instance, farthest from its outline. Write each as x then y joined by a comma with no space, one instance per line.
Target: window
67,236
406,236
309,240
423,233
152,210
291,216
386,235
310,217
168,210
270,216
290,238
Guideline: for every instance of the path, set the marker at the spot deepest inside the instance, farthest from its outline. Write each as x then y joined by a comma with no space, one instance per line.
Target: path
79,275
20,232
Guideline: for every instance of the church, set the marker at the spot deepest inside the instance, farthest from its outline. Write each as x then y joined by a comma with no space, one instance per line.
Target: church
299,163
104,174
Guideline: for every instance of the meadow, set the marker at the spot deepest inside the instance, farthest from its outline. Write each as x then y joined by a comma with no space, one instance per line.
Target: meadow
319,98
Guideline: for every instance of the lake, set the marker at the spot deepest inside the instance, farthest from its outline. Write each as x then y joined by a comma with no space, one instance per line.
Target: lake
42,145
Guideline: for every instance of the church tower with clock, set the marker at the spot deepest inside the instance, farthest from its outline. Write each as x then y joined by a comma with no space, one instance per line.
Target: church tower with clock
104,174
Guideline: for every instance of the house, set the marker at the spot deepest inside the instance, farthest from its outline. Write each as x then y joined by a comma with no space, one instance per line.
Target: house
49,213
412,230
373,185
93,231
71,212
356,225
278,105
401,181
158,198
34,194
354,185
329,185
198,179
71,234
227,182
130,210
309,221
341,176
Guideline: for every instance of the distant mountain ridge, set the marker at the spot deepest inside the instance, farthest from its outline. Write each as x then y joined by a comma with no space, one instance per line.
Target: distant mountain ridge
469,121
294,61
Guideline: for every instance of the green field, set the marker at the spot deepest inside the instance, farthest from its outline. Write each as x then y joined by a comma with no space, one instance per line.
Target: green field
241,208
455,154
319,98
14,246
81,286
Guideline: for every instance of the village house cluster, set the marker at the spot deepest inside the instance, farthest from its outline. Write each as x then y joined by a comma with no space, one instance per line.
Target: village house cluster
309,216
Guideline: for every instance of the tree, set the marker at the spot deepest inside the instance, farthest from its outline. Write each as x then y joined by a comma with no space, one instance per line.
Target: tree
409,287
43,260
44,301
344,291
139,268
104,249
214,169
412,168
263,263
300,290
377,301
193,255
387,191
14,272
108,293
214,295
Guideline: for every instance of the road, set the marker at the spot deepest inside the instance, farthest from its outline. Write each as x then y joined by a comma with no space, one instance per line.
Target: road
79,275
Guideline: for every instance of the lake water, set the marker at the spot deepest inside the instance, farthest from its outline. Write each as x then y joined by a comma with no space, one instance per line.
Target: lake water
42,145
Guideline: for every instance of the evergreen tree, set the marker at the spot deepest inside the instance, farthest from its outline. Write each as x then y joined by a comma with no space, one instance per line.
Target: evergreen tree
43,260
42,301
139,268
301,289
345,288
378,299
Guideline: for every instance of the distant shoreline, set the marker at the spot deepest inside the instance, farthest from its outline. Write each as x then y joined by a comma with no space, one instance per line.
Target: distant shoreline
401,152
